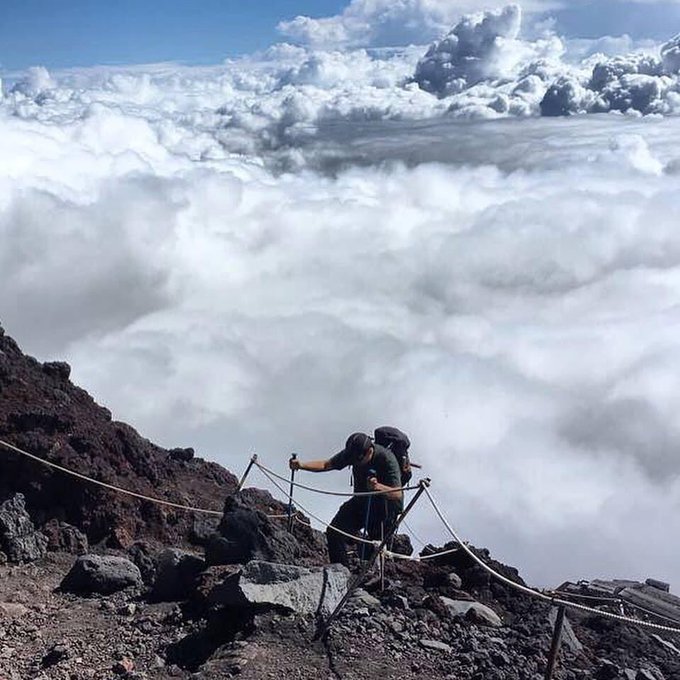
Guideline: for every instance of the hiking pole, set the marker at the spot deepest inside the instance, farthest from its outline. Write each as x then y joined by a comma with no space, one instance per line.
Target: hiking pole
253,460
360,577
290,496
367,519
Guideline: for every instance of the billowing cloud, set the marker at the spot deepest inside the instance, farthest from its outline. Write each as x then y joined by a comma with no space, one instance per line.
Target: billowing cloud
385,22
378,23
269,254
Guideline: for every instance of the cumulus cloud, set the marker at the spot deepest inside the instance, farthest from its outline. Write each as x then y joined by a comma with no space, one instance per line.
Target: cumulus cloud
385,22
505,290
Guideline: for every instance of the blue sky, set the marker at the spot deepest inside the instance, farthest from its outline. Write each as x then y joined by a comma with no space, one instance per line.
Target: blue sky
62,33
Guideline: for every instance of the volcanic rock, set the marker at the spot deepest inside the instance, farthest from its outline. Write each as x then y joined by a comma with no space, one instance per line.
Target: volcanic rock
63,537
43,413
246,533
472,611
19,540
296,589
102,575
176,575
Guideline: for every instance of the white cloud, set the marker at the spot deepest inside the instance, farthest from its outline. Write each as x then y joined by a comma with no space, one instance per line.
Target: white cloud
504,290
386,22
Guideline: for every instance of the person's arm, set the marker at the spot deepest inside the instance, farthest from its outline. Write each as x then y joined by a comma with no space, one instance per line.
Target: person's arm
392,493
310,466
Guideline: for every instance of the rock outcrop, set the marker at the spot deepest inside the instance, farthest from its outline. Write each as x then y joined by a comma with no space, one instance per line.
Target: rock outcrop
42,412
19,540
297,590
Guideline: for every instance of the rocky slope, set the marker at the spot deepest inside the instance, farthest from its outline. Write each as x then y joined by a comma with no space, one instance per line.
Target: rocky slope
93,585
42,412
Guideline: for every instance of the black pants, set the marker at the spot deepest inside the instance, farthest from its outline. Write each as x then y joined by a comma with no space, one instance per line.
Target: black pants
352,517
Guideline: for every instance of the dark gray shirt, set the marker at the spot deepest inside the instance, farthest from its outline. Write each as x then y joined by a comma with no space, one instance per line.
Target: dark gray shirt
384,462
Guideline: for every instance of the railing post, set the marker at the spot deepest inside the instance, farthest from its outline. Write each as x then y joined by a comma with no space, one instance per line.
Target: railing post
290,496
555,644
360,577
253,460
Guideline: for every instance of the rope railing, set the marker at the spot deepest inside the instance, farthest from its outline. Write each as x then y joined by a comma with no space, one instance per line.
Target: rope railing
550,598
327,492
111,487
327,525
555,598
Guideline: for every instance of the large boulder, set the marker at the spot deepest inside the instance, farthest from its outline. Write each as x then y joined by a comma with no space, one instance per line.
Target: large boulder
176,574
19,539
101,575
296,589
246,533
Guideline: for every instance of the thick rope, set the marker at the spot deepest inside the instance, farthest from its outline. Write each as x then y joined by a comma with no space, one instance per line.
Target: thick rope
331,493
551,599
615,600
111,487
311,514
271,475
419,558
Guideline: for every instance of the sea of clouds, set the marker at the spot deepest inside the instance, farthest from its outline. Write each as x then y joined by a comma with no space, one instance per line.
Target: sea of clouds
271,253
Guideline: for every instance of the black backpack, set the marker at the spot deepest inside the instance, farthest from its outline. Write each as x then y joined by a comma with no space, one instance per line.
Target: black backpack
397,442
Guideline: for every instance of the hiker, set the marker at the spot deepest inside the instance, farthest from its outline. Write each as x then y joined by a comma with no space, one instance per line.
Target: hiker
374,468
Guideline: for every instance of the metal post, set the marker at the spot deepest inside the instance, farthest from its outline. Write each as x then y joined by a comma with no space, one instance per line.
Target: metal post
381,559
253,460
290,496
363,550
361,576
555,644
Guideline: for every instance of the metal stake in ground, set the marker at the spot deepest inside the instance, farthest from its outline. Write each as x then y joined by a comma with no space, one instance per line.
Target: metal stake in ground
253,460
290,496
555,645
363,572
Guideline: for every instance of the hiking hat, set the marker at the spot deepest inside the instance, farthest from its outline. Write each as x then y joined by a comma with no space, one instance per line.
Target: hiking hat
356,445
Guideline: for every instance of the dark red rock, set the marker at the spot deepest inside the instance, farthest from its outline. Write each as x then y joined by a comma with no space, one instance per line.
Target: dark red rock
42,412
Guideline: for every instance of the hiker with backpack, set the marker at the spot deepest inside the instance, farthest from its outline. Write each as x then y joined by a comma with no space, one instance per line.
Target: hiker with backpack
375,467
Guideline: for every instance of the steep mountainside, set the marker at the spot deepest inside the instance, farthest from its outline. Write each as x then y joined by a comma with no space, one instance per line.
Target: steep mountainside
96,585
42,412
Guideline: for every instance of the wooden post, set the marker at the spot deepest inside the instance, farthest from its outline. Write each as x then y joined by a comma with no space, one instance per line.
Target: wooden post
555,644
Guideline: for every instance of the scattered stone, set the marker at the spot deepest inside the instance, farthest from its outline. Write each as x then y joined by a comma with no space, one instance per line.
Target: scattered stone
12,610
644,674
607,670
124,667
435,644
455,581
59,652
363,599
102,575
472,611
